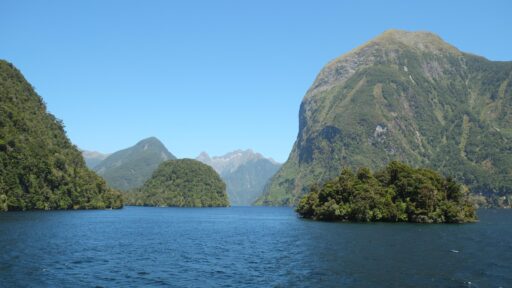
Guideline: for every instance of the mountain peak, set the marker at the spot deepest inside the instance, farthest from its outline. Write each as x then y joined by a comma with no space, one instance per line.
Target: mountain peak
204,157
149,140
404,35
406,96
388,47
230,161
420,40
131,167
204,154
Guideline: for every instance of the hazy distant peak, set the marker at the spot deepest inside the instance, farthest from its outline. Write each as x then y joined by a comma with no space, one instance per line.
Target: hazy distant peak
273,161
245,172
205,158
93,158
229,162
239,153
150,141
204,155
94,154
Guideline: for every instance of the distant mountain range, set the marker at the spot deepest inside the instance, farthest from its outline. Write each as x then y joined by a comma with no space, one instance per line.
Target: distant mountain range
405,96
245,173
131,167
93,158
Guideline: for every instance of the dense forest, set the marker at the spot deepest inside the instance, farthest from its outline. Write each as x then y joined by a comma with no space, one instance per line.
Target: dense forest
397,193
39,167
181,183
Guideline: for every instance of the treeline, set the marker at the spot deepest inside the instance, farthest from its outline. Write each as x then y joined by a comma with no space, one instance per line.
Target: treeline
39,167
397,193
181,183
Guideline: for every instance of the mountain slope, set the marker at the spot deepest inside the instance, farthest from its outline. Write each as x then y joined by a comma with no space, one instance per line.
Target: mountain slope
131,167
39,167
405,96
93,158
245,174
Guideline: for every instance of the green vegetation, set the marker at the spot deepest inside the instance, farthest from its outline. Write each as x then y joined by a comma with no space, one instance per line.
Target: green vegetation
39,167
409,97
398,193
130,168
181,183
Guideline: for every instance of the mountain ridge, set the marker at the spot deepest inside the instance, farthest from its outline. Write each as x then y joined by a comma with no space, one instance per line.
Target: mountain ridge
245,173
130,167
405,96
40,169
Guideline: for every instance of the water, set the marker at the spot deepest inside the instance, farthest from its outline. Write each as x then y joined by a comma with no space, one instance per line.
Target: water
247,247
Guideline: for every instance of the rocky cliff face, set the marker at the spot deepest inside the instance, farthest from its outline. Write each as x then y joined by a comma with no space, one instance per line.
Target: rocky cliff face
405,96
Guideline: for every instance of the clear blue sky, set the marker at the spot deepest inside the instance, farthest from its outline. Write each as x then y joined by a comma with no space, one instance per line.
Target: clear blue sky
210,75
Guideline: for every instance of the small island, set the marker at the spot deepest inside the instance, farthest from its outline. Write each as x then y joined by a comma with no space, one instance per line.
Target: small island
397,193
181,183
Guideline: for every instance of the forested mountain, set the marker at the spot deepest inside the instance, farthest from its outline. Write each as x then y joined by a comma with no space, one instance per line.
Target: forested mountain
244,172
131,167
405,96
181,183
39,167
93,158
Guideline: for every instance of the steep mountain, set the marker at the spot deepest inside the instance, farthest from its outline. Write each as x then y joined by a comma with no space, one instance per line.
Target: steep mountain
39,167
93,158
245,174
131,167
405,96
181,183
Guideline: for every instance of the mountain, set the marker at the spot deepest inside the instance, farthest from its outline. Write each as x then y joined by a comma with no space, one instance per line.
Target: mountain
181,183
39,167
405,96
245,174
93,158
131,167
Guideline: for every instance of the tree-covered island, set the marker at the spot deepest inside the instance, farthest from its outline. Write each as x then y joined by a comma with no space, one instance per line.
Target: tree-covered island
181,183
397,193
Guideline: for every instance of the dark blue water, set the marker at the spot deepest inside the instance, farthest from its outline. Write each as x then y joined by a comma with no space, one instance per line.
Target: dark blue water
247,247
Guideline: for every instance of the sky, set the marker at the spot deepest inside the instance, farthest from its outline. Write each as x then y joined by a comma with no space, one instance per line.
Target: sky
210,76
